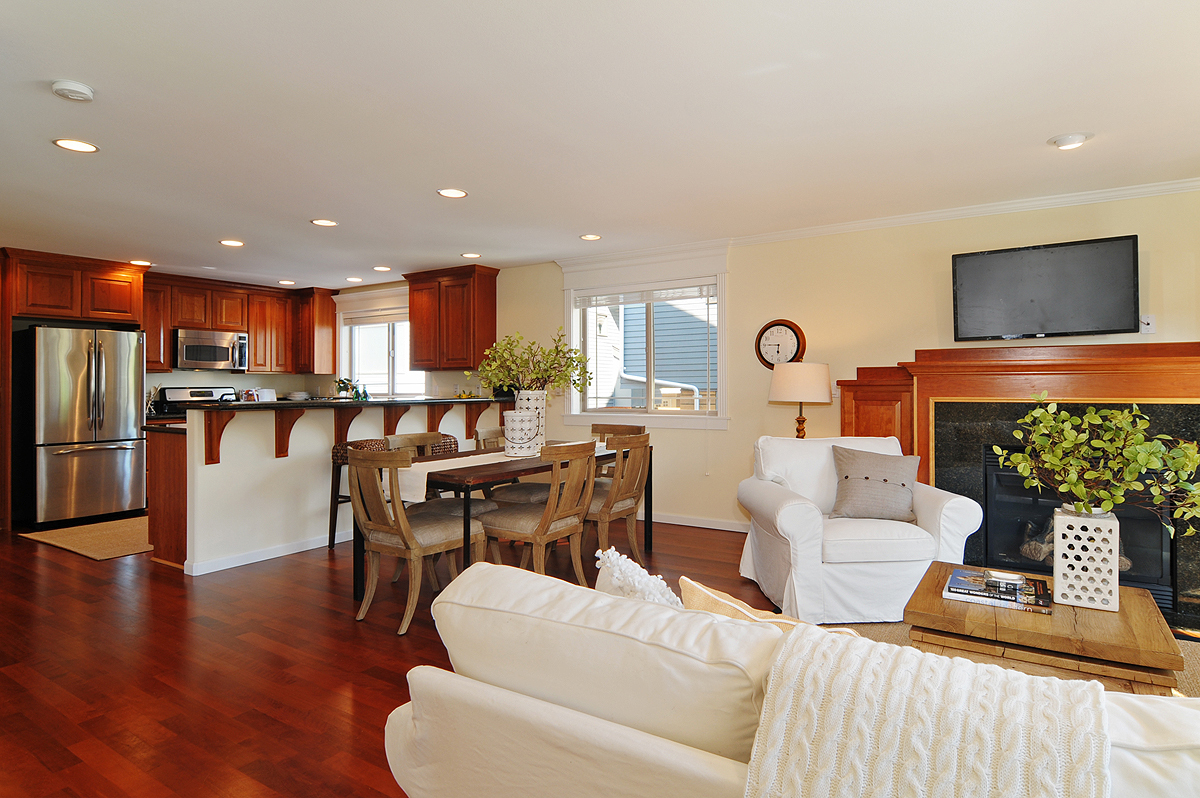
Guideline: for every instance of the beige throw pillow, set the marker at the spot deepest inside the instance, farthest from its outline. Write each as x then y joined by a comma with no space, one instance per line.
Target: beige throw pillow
699,597
874,485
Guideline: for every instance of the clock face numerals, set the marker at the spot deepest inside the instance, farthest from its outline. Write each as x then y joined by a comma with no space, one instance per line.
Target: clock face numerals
778,345
779,341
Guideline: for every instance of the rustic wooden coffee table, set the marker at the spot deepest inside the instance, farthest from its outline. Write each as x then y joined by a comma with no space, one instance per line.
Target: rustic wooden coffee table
1131,651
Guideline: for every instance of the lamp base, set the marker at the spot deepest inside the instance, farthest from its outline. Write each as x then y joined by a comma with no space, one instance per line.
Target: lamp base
800,426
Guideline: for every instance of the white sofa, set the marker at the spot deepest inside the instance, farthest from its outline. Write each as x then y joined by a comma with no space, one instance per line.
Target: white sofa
840,570
563,691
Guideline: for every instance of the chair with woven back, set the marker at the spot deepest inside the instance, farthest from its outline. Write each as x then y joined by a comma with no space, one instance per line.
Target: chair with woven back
561,516
387,529
340,458
619,496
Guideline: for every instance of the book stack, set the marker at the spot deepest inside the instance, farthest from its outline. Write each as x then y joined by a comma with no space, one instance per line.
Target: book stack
999,589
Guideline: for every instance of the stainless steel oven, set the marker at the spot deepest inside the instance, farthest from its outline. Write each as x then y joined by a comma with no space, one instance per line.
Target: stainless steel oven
211,350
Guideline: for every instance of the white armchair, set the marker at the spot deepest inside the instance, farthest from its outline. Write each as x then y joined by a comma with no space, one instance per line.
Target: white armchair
840,570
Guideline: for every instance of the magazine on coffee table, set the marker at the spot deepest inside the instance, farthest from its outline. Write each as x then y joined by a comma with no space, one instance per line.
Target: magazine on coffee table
999,589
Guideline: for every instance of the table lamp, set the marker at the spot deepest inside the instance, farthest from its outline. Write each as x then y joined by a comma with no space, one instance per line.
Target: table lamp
800,382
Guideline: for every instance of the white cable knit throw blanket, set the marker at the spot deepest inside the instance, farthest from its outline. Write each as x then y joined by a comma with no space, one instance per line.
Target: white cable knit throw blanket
846,716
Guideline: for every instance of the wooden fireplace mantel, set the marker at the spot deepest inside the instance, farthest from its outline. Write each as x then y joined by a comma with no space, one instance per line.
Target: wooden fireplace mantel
1165,372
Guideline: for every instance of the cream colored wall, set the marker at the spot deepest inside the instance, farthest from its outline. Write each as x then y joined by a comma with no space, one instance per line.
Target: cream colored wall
863,299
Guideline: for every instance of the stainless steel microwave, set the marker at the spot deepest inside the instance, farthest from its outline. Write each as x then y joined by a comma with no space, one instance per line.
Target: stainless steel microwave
211,350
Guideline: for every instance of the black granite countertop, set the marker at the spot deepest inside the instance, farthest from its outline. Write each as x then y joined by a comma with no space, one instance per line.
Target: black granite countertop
306,404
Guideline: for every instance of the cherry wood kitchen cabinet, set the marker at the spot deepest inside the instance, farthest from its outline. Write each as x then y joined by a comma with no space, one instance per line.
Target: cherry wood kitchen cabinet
190,307
156,304
316,332
452,316
270,328
46,285
229,311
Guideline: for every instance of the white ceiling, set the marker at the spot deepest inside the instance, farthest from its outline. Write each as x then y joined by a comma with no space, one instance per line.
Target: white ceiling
653,123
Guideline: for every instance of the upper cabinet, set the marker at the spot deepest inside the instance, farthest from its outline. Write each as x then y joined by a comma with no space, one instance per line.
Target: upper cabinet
316,332
198,308
46,285
270,326
156,307
452,317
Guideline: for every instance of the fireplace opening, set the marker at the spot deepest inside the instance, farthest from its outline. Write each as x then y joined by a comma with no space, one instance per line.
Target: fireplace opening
1016,534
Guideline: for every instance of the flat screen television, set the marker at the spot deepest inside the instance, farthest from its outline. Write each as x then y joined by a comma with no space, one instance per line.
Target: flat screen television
1073,288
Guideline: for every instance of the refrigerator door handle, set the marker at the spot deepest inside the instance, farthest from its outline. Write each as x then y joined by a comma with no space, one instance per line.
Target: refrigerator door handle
99,447
91,385
101,386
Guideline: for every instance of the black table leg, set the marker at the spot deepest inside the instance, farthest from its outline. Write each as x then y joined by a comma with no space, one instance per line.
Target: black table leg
359,557
466,555
648,511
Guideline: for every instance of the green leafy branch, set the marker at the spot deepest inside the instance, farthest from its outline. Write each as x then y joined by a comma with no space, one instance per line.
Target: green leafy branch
533,367
1106,458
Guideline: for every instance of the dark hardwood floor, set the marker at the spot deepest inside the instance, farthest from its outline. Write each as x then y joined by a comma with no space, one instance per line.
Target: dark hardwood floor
127,678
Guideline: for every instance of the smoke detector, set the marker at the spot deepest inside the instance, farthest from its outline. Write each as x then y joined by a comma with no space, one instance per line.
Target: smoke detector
73,90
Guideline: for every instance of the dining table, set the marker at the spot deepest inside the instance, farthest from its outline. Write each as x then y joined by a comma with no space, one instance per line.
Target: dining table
465,479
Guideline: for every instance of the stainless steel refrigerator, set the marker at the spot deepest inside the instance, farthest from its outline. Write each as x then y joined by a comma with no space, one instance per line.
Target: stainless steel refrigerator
88,449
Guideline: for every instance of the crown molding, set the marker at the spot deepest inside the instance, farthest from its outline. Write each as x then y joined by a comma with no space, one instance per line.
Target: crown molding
970,211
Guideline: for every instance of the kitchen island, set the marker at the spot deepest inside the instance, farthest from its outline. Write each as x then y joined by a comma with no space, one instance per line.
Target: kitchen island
256,474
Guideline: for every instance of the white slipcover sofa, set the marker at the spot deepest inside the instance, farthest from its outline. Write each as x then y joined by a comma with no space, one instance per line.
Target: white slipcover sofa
840,570
563,691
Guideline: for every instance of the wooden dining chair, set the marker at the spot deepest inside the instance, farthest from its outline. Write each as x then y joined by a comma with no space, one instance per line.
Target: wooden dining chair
602,432
387,529
489,437
562,514
619,496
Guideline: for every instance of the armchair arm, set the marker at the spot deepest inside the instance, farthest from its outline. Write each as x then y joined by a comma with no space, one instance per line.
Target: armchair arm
950,518
781,512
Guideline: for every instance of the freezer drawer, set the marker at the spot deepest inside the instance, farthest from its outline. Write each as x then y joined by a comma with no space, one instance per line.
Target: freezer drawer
85,479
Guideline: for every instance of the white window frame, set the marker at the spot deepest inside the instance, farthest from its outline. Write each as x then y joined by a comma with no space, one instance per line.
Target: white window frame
687,267
385,305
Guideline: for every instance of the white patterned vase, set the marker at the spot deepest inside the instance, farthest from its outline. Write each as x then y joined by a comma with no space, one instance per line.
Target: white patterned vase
1086,550
520,433
535,401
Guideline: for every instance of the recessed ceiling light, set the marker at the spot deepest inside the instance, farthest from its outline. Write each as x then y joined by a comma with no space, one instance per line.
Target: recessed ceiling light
1069,141
324,223
287,282
209,268
452,193
73,90
590,237
382,268
140,263
354,279
76,146
229,242
471,255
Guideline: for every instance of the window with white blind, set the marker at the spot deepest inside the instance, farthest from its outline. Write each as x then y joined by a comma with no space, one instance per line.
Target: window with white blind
652,350
375,343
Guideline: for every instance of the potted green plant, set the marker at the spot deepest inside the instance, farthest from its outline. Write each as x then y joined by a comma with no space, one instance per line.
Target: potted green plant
1095,462
531,370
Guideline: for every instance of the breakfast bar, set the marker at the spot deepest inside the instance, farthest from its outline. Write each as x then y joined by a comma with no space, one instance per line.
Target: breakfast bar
251,483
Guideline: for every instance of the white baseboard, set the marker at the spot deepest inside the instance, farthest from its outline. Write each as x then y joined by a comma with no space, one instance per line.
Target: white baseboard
192,568
707,523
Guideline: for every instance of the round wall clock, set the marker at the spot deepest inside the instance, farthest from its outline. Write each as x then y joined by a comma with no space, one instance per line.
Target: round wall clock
779,341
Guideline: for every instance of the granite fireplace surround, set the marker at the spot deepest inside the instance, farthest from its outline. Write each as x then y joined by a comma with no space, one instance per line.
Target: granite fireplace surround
947,405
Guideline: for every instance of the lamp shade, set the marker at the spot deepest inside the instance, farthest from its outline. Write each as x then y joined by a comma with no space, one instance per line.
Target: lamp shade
800,382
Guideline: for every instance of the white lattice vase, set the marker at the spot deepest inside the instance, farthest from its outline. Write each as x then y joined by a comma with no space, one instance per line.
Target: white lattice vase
1086,549
520,433
535,401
